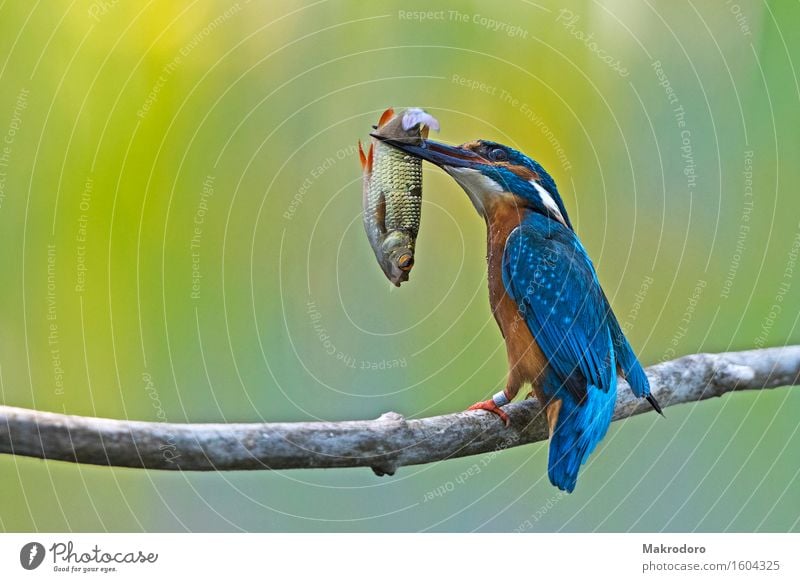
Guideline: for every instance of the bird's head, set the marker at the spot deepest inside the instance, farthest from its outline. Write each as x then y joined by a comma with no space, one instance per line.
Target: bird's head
491,173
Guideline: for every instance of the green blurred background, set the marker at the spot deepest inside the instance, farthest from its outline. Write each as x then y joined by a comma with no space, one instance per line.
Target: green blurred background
181,241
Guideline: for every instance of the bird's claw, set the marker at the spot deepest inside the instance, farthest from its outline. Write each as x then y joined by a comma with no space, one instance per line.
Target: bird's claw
490,406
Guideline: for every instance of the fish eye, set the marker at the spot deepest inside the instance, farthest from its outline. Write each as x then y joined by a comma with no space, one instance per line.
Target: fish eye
498,155
405,262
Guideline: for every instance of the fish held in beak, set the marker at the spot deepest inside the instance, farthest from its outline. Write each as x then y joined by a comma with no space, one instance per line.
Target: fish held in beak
392,190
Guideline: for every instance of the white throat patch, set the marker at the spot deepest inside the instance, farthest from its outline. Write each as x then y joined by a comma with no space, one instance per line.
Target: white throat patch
479,188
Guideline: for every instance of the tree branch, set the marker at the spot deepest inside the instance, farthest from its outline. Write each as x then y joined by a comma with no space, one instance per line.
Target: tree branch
384,444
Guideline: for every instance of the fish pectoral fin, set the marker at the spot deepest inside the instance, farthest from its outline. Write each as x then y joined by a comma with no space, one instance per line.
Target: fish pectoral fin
380,213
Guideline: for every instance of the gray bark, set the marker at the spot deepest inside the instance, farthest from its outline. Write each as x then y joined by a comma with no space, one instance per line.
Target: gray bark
384,444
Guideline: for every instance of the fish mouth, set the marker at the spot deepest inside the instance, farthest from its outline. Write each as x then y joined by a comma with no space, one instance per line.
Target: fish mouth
435,152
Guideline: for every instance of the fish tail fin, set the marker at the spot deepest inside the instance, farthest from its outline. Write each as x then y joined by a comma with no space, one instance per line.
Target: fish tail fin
575,429
366,158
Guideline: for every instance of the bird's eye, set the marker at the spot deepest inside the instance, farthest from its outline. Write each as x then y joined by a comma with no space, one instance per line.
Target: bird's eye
498,155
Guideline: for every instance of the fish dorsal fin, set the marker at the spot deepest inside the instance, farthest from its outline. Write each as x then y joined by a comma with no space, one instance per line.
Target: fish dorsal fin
362,156
386,116
366,158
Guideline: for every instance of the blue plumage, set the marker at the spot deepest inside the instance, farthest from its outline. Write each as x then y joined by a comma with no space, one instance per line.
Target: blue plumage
548,274
627,360
580,426
551,279
539,272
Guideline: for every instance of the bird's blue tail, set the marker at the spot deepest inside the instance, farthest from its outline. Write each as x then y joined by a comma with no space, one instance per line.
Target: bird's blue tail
578,429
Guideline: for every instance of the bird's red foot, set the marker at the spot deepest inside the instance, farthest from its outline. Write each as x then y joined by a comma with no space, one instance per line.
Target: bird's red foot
493,408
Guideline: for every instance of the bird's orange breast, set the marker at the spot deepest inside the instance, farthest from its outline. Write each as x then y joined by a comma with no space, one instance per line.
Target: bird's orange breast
526,361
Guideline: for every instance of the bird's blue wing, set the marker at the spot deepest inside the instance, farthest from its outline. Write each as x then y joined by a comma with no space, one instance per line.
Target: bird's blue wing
548,274
626,358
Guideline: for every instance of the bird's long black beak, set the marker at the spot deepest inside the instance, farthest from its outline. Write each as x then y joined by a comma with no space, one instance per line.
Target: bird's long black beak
436,152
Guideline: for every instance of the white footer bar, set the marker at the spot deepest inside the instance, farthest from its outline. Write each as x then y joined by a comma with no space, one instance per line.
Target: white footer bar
401,557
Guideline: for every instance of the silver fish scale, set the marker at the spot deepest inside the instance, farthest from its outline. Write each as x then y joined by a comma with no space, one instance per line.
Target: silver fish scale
399,176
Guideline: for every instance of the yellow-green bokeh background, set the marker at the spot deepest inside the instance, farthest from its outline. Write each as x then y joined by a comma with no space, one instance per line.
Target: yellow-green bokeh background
264,101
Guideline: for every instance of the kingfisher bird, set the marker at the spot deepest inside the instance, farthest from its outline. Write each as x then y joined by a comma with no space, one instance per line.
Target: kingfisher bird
560,333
